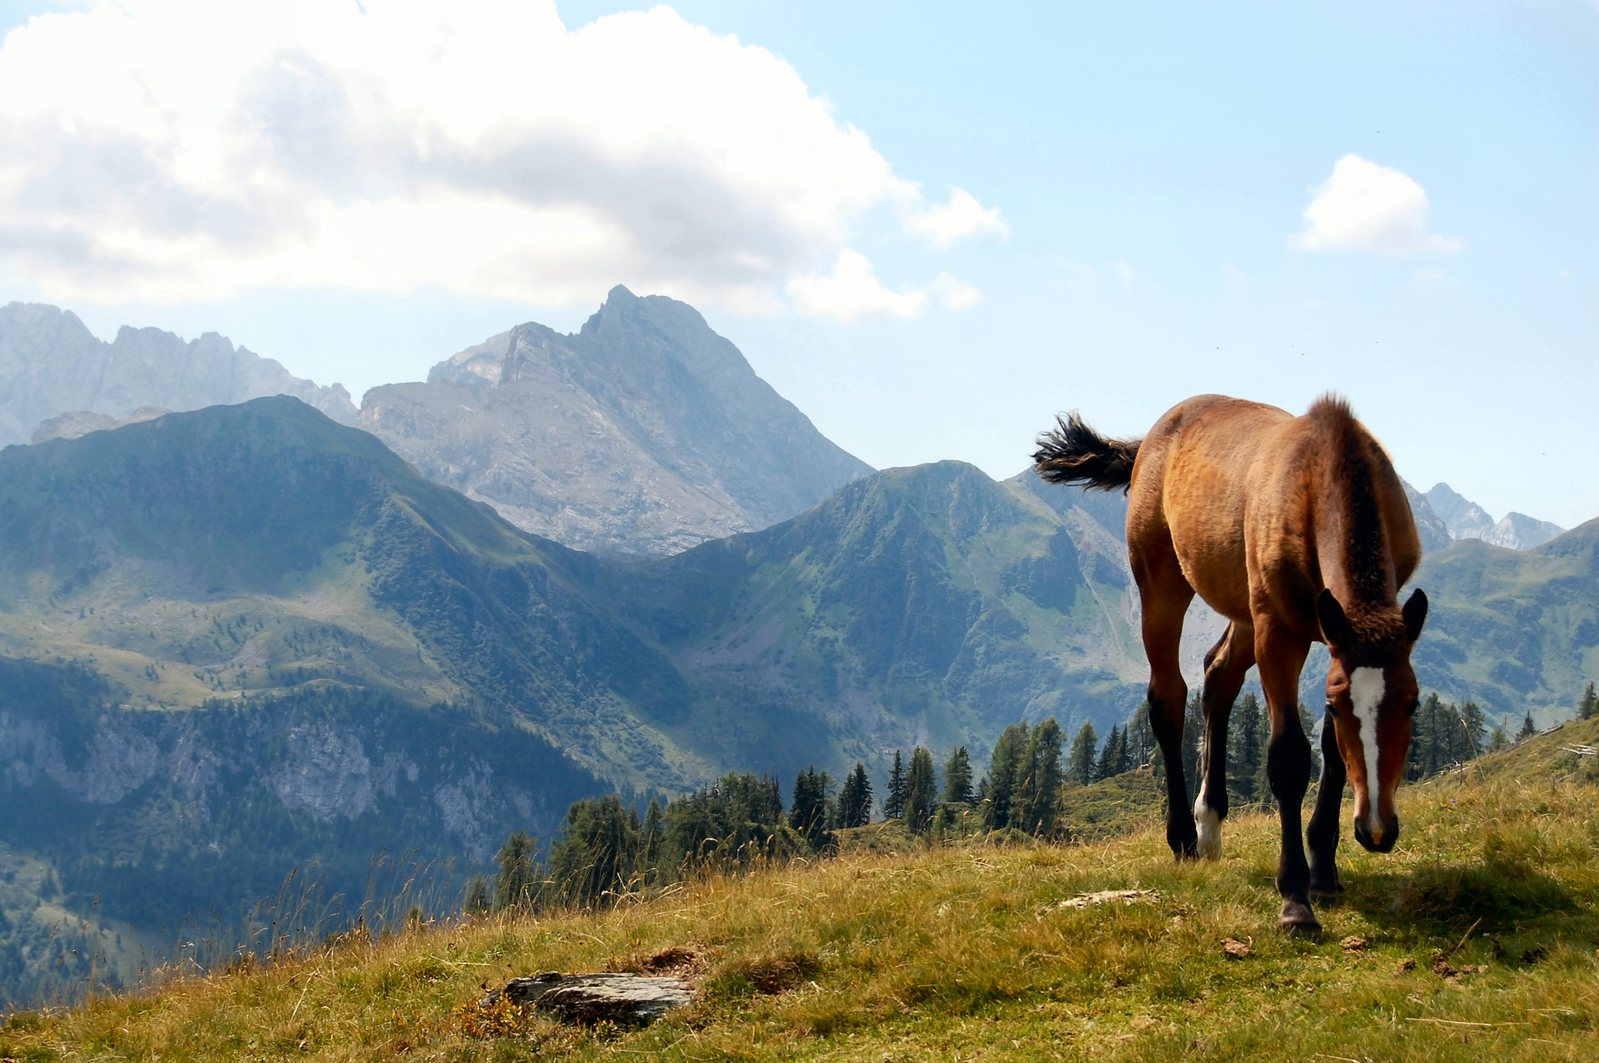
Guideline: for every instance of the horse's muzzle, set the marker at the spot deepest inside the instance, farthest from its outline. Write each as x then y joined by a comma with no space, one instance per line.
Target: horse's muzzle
1383,842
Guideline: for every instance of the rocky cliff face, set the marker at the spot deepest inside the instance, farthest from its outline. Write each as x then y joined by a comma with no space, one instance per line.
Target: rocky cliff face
643,433
51,364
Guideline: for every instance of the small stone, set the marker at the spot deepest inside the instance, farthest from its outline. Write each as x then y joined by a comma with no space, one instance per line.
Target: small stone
1354,943
1234,949
1406,964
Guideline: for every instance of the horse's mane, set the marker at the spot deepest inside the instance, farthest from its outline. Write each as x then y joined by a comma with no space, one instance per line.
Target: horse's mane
1356,464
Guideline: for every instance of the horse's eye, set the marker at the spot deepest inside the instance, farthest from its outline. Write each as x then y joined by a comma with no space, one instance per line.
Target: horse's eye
1411,711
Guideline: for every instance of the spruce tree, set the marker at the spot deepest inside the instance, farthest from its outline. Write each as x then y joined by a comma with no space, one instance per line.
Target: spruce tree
516,884
477,896
1499,739
1244,752
921,789
1038,798
1080,762
1005,769
808,813
1140,737
1193,734
592,862
855,800
894,799
1106,766
1588,707
958,777
652,837
1527,727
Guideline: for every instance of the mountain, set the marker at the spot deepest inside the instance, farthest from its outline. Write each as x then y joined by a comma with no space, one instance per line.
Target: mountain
643,433
1467,520
51,364
1514,630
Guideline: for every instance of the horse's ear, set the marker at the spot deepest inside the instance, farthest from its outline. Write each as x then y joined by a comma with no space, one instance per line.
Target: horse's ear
1415,613
1334,624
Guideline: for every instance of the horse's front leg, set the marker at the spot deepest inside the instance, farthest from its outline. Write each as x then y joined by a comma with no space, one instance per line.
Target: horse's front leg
1280,659
1322,834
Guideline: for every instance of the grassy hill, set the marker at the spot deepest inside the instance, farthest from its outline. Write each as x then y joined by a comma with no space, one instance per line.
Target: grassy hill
1476,938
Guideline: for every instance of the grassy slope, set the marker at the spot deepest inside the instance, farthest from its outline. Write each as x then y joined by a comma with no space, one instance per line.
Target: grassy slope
966,953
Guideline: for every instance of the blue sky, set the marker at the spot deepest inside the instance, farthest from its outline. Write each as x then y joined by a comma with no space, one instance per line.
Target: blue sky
930,225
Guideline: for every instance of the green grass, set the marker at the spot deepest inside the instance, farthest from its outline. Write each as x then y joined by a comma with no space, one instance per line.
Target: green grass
966,952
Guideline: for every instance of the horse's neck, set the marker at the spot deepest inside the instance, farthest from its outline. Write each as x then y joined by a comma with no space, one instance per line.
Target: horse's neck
1353,544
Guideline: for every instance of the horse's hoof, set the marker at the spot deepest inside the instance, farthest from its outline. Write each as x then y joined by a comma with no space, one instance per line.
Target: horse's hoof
1298,920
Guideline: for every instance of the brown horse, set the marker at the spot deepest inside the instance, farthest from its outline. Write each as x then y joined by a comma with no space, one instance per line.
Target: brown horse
1295,529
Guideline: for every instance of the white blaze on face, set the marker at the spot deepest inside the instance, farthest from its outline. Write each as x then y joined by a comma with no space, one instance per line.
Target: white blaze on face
1366,690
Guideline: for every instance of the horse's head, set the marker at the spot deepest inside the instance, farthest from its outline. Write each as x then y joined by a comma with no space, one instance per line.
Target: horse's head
1371,697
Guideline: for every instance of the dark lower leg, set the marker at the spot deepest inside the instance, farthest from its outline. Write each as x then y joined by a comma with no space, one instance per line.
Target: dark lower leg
1166,720
1322,834
1288,768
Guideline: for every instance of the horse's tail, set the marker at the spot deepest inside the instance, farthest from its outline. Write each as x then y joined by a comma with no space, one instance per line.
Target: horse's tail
1074,453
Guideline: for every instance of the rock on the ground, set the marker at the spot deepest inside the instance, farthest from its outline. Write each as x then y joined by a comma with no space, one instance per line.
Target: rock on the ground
625,999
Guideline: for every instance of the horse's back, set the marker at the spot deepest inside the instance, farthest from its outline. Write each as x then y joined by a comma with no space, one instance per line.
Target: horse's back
1191,486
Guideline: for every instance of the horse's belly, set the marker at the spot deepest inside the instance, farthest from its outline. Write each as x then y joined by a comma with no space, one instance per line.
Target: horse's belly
1219,576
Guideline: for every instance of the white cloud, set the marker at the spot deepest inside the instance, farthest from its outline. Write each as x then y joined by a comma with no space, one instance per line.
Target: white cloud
954,295
852,292
960,218
1365,206
169,150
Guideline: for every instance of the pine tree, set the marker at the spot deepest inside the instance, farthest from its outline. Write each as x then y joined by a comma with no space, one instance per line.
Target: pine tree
1527,727
1499,739
1108,754
855,800
1244,752
921,789
1038,795
652,837
808,812
1005,769
1474,727
1193,733
516,884
1588,707
894,800
1080,762
958,778
592,862
1140,737
477,897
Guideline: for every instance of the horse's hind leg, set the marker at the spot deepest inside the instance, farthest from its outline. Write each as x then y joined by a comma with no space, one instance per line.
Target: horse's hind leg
1165,596
1225,666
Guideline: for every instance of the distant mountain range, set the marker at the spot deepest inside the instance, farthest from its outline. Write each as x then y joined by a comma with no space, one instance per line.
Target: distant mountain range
1467,520
51,364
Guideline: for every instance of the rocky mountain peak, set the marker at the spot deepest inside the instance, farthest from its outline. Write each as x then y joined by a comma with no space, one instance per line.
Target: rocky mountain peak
644,432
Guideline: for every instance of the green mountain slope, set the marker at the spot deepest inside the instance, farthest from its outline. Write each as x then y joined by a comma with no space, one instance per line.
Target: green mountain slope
1475,938
928,604
1514,630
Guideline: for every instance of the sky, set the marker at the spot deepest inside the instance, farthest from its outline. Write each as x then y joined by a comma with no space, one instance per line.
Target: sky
931,225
